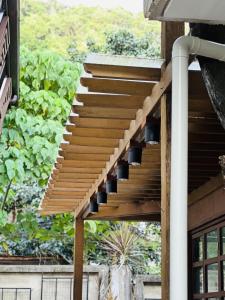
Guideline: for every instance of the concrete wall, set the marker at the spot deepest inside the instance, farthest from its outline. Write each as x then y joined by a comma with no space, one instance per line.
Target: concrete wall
34,277
39,278
147,287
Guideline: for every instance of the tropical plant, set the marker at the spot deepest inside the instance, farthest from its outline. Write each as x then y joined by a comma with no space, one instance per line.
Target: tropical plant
124,245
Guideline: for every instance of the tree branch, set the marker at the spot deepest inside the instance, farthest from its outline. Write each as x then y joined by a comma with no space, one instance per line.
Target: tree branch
6,194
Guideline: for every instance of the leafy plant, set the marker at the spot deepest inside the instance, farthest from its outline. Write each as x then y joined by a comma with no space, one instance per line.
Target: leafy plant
33,130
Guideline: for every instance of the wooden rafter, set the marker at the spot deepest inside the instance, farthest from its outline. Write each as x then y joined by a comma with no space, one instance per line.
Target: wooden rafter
128,211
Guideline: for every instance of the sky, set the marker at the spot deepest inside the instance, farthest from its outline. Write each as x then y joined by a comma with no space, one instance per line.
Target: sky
134,6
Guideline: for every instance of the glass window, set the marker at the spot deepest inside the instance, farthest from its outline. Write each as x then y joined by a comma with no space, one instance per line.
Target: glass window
223,240
212,278
198,280
223,275
198,249
212,244
208,262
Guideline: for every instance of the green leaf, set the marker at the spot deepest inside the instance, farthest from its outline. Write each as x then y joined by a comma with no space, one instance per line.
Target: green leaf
10,167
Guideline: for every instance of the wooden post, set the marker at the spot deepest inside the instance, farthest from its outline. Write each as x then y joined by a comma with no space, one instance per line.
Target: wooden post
170,32
78,259
165,194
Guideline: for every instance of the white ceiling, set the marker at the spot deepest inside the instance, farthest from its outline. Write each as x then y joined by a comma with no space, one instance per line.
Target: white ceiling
211,10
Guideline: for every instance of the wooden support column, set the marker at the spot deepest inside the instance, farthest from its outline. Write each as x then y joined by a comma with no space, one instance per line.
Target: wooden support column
78,259
170,32
165,194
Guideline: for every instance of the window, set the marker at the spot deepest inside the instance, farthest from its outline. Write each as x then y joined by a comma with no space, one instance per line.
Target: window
208,263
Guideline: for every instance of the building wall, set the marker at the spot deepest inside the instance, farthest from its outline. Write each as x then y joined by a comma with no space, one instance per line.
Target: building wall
147,287
36,277
207,209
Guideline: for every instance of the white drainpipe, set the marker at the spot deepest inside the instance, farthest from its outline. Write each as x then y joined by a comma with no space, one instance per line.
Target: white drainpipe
183,47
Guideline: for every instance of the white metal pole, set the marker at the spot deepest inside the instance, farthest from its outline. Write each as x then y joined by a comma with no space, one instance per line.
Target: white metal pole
179,157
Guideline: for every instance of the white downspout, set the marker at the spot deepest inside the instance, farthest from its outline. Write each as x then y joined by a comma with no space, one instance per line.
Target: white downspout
183,47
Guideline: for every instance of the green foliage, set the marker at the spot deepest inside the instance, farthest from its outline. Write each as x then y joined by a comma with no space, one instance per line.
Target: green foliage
48,71
46,25
132,244
124,42
33,130
137,245
28,147
24,232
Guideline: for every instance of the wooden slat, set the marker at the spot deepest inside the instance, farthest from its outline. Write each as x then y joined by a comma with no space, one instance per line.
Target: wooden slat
123,67
118,86
104,112
64,176
85,157
100,122
91,141
62,169
96,132
86,149
110,100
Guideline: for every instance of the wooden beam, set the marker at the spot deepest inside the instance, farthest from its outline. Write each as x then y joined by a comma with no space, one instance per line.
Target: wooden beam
78,259
170,31
127,210
165,194
149,104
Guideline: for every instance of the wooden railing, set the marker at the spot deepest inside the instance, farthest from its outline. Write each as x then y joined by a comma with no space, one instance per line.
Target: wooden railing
6,86
5,98
4,42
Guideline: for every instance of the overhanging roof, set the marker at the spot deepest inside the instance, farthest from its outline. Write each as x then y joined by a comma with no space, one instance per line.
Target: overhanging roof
100,131
107,116
202,11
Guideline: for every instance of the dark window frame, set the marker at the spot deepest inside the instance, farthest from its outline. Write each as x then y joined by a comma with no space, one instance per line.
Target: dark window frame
217,226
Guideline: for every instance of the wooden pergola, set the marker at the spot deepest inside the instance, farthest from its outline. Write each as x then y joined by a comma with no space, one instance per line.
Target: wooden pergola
108,117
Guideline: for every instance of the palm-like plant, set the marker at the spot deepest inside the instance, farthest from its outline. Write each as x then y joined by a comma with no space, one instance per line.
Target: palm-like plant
124,247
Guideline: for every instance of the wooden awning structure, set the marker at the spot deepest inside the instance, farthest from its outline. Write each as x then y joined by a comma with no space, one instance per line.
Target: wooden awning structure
106,116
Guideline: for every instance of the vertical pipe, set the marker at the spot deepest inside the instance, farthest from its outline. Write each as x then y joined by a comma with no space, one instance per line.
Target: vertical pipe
179,157
179,169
